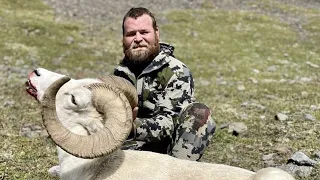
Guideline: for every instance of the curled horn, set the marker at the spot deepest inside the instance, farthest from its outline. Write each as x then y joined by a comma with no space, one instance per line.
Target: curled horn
108,100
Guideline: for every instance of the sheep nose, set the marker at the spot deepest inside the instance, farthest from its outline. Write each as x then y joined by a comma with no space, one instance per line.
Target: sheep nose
36,72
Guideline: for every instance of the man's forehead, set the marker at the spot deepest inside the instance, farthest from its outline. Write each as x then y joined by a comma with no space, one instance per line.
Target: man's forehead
144,22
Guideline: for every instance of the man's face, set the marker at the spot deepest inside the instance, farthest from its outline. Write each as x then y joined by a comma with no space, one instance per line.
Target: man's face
140,40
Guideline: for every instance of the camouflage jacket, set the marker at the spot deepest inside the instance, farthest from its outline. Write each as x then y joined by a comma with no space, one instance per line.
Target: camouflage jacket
164,87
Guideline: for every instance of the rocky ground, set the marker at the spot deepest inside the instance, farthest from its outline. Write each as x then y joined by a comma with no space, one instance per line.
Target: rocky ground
104,12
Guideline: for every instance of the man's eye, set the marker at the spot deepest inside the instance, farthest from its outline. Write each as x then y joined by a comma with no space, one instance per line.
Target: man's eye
130,34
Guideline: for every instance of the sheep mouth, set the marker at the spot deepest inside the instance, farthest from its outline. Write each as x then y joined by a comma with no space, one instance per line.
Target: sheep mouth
31,90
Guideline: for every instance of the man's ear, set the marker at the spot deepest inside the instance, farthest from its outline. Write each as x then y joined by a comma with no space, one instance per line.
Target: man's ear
158,32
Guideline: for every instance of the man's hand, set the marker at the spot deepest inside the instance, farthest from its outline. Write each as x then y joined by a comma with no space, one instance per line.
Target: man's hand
132,134
134,113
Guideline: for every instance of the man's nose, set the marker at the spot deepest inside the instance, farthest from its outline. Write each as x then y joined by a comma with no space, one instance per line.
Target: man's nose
138,37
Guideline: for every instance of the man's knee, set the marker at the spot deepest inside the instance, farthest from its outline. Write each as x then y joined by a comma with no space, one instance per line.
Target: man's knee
194,132
197,117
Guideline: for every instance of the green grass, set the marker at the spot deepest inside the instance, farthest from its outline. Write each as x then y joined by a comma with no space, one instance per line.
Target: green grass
216,45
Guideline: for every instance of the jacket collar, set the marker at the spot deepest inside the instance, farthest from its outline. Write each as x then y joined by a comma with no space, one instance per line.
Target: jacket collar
157,63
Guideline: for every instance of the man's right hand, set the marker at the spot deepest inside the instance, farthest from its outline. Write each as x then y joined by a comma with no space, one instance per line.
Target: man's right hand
134,113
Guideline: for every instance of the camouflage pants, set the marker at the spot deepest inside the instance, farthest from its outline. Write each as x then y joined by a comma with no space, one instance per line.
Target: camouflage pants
191,137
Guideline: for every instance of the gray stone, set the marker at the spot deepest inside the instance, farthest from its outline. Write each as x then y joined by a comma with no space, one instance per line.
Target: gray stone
33,131
224,125
268,157
281,117
302,159
312,65
309,117
301,171
272,68
253,80
253,105
237,128
269,163
314,107
241,88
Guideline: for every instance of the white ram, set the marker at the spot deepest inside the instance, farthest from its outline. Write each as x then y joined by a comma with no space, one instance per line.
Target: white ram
89,119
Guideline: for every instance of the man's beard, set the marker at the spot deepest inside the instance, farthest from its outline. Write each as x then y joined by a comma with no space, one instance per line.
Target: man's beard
142,56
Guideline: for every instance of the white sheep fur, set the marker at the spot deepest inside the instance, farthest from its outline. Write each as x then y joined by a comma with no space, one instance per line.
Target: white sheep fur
125,164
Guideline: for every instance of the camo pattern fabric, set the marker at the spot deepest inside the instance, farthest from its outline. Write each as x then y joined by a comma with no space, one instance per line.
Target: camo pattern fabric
169,120
194,132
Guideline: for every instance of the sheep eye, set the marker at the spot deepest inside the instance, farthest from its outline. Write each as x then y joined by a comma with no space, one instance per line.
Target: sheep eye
73,99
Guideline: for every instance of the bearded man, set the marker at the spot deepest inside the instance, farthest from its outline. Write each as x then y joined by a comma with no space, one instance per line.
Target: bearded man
168,119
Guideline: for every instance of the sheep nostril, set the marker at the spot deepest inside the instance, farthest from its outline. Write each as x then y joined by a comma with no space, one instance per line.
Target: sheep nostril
36,72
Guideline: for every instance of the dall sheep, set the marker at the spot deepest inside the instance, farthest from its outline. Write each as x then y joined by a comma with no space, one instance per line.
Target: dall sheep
89,119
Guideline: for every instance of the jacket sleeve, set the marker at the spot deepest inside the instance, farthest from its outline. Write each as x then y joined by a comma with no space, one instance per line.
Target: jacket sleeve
177,94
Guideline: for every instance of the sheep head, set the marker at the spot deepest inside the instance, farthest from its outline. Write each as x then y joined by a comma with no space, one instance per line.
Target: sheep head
86,118
39,80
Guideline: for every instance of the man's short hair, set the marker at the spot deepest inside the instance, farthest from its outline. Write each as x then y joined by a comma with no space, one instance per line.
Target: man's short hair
136,12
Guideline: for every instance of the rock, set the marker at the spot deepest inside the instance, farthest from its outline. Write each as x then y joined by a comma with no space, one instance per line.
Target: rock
243,116
269,163
237,128
301,171
309,117
299,158
281,117
253,80
306,79
262,117
70,40
250,105
224,125
194,34
270,96
268,157
9,103
33,131
272,68
304,94
312,65
241,88
314,107
256,71
317,156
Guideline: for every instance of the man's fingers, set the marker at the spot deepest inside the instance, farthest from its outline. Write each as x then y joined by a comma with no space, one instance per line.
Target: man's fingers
134,113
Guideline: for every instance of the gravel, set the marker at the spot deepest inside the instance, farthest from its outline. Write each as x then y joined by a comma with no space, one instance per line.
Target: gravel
104,12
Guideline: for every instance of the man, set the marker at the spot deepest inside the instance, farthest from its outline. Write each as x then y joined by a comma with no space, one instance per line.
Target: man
168,118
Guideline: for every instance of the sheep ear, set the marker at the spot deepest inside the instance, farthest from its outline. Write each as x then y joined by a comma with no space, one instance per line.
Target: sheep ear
118,121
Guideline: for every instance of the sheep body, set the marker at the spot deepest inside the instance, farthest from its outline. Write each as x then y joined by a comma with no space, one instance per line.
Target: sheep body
145,165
